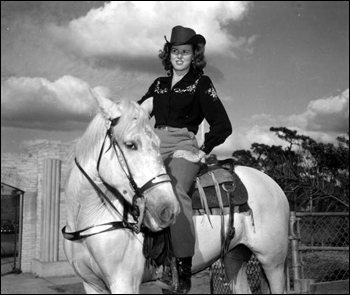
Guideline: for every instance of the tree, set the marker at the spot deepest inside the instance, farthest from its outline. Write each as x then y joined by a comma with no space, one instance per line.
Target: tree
290,136
311,174
244,157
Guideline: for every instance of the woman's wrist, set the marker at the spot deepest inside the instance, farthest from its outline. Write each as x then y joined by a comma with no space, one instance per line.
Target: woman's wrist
201,154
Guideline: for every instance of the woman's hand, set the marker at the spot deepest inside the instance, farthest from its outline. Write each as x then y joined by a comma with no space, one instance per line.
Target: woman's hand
189,156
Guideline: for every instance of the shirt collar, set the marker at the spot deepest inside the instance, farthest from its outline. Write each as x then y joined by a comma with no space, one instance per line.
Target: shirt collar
189,77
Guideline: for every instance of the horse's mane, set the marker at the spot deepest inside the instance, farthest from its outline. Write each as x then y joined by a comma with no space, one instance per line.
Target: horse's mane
132,121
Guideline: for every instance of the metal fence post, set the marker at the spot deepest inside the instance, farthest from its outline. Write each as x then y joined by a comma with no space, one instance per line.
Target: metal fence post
296,265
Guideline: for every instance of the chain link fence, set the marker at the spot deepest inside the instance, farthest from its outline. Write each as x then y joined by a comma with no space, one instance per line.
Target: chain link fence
323,246
219,283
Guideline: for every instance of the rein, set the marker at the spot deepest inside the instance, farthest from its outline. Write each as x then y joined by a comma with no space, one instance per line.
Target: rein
138,202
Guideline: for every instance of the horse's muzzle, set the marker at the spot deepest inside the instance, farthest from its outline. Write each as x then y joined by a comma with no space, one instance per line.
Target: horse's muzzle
161,217
167,215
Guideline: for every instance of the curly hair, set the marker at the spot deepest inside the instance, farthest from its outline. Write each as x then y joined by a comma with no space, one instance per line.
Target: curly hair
198,64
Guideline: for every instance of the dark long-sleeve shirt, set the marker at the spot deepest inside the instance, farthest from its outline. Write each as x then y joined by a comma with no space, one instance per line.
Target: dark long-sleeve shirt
187,104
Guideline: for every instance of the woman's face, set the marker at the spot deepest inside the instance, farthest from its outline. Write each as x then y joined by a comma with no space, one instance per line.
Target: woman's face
181,57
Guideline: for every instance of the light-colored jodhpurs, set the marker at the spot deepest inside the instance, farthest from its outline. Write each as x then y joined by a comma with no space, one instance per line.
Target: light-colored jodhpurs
182,174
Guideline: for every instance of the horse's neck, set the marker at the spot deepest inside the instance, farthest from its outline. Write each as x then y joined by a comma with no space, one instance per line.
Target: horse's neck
86,207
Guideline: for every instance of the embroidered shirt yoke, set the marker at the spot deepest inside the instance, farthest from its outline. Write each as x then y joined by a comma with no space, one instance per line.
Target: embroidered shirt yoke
187,104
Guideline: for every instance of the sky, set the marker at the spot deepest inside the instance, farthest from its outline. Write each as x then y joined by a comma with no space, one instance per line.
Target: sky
273,64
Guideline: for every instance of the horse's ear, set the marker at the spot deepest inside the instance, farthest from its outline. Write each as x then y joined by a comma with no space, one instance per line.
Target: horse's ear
147,105
109,109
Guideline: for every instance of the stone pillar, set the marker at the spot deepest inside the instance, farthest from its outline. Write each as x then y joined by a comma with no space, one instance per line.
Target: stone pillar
50,210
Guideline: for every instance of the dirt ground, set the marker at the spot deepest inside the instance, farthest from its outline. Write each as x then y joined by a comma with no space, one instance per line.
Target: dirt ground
200,285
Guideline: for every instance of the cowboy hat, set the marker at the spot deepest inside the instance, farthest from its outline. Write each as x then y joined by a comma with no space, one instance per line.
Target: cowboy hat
181,35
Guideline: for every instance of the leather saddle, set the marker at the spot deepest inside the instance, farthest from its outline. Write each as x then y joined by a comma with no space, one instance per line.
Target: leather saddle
220,175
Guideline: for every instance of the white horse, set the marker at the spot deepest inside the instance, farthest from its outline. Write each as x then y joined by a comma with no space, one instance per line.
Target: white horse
112,261
117,162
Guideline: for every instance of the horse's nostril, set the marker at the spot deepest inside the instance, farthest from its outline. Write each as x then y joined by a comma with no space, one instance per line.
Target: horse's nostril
166,214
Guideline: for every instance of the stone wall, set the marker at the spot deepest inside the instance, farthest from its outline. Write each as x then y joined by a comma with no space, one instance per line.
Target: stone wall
25,172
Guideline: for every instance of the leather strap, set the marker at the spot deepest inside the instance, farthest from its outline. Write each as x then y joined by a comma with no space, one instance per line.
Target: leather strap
96,229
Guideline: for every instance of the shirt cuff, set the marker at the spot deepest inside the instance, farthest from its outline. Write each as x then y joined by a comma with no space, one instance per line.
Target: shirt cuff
205,149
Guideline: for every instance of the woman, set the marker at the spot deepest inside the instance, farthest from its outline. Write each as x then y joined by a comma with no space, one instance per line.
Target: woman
179,103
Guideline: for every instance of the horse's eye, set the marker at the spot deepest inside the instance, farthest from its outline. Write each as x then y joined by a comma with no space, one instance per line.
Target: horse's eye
131,145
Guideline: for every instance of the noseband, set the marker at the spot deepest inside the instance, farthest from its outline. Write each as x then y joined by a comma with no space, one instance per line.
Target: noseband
138,201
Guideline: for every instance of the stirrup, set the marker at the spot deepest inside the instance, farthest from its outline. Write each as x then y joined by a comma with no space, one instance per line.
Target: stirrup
170,278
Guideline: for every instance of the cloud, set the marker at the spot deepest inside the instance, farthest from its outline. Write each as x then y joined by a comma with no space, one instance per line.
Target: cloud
105,46
243,137
324,120
133,28
29,49
329,114
38,103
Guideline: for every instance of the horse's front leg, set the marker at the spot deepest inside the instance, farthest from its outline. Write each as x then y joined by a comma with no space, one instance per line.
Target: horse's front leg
90,289
126,284
123,264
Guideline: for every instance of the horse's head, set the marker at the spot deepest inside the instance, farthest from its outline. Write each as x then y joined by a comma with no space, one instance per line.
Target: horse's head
128,159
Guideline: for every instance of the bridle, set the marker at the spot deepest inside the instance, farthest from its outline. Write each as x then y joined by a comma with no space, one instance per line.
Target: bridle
138,201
